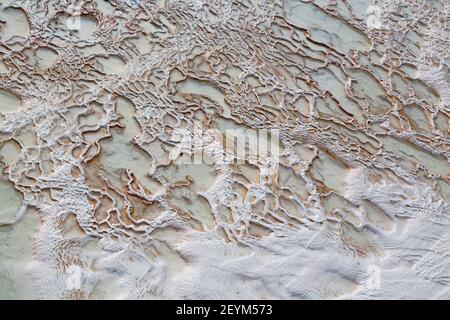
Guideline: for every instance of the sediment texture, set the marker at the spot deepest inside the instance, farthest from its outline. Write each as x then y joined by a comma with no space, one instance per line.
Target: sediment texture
92,141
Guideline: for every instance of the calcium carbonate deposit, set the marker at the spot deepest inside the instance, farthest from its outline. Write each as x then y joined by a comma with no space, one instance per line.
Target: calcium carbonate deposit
224,149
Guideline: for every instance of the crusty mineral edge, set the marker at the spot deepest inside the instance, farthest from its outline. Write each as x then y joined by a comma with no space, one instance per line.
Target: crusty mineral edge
101,197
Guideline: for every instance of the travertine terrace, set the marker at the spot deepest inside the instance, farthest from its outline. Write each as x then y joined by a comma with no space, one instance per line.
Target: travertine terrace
100,197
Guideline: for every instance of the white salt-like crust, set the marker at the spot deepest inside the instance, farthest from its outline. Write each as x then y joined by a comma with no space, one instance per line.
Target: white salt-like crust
96,124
